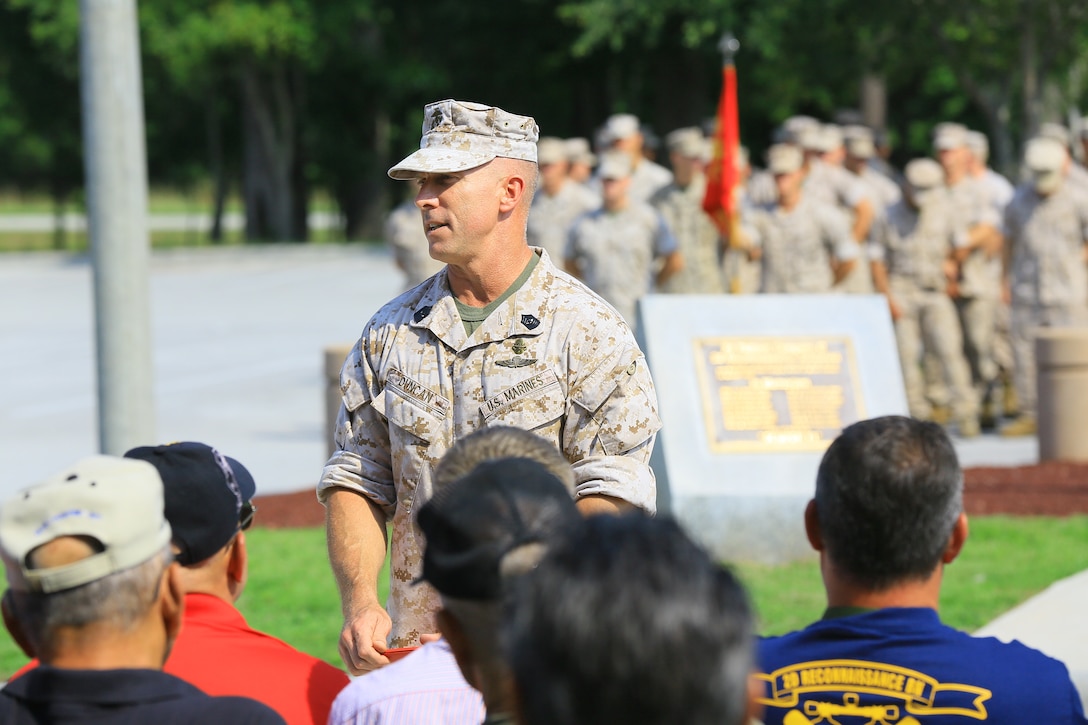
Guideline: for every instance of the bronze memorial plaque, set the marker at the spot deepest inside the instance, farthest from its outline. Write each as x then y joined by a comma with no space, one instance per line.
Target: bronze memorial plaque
764,394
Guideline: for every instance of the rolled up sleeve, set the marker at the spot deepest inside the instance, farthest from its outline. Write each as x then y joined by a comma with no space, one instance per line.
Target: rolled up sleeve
361,461
609,434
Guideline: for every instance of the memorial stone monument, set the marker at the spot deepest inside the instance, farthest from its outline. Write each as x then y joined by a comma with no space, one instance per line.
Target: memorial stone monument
752,389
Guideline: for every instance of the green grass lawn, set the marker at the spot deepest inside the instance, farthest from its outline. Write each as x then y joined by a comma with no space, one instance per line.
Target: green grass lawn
291,592
160,200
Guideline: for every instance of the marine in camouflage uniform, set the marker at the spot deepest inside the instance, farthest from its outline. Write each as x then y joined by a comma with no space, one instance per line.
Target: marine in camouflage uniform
498,337
405,236
978,290
1075,174
614,249
558,200
1047,226
622,132
581,159
827,182
681,205
913,264
805,246
999,193
860,151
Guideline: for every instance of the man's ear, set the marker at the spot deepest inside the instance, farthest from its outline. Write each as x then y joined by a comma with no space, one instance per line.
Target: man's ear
514,187
459,645
14,627
171,601
812,527
238,566
956,540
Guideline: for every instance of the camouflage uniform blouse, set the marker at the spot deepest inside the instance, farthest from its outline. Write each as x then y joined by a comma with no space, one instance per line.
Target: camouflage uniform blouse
697,236
553,359
616,252
1047,234
550,217
799,245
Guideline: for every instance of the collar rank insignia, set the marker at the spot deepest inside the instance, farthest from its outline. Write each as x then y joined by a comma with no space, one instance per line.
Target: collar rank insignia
517,361
421,313
529,321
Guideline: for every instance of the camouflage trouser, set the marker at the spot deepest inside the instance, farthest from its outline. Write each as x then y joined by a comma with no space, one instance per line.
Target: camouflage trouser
860,279
928,322
979,321
1002,341
1025,318
978,318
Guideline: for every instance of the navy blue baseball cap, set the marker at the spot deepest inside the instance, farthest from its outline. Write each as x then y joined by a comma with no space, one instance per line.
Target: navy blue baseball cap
205,494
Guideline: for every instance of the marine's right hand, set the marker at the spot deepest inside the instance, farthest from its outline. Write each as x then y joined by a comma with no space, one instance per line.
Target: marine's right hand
362,640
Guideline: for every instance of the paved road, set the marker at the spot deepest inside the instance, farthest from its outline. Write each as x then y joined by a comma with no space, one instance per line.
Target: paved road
238,336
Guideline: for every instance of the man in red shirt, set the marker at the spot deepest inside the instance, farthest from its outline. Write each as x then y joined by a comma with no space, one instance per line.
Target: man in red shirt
208,502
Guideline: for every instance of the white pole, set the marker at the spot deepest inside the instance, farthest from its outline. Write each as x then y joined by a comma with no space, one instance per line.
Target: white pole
116,168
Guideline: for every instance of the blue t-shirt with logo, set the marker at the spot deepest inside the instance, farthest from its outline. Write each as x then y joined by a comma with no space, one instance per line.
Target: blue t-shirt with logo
901,666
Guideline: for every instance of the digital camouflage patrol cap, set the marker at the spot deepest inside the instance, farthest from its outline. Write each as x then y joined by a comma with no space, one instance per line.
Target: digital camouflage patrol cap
461,135
1045,158
784,159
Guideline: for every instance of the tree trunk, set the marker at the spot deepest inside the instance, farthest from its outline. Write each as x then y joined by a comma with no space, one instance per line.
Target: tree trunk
874,100
218,170
270,145
1029,66
364,198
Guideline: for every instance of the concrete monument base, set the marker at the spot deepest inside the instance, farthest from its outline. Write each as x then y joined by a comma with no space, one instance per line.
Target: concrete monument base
752,389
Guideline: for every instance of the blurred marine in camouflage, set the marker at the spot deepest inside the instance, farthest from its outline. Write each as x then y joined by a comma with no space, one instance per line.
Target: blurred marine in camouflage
1047,225
913,264
681,204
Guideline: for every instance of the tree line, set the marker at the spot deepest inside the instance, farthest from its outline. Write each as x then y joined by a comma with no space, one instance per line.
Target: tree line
276,98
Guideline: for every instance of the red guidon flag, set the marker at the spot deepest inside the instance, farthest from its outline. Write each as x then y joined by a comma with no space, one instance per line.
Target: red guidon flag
721,174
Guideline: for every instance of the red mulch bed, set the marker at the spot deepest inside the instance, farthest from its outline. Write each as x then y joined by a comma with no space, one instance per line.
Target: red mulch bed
1046,489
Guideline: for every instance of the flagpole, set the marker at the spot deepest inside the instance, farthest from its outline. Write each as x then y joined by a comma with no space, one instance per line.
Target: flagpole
729,142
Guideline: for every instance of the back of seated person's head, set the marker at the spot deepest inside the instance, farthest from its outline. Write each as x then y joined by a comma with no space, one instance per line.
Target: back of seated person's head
501,441
888,493
482,530
627,620
208,497
88,547
209,503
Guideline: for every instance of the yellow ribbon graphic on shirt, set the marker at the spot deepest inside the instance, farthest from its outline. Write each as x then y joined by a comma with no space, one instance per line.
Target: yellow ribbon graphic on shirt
921,694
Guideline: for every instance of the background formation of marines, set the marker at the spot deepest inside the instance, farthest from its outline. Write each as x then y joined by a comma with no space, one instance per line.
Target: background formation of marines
970,263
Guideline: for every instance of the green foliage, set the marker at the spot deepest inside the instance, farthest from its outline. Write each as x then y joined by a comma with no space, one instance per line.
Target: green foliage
341,83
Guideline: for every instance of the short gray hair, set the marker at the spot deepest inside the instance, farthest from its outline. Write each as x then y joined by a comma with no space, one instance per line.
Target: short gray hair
119,600
501,441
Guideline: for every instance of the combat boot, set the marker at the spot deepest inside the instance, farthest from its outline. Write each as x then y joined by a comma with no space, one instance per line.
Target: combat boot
941,414
968,426
1023,425
987,417
1009,402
